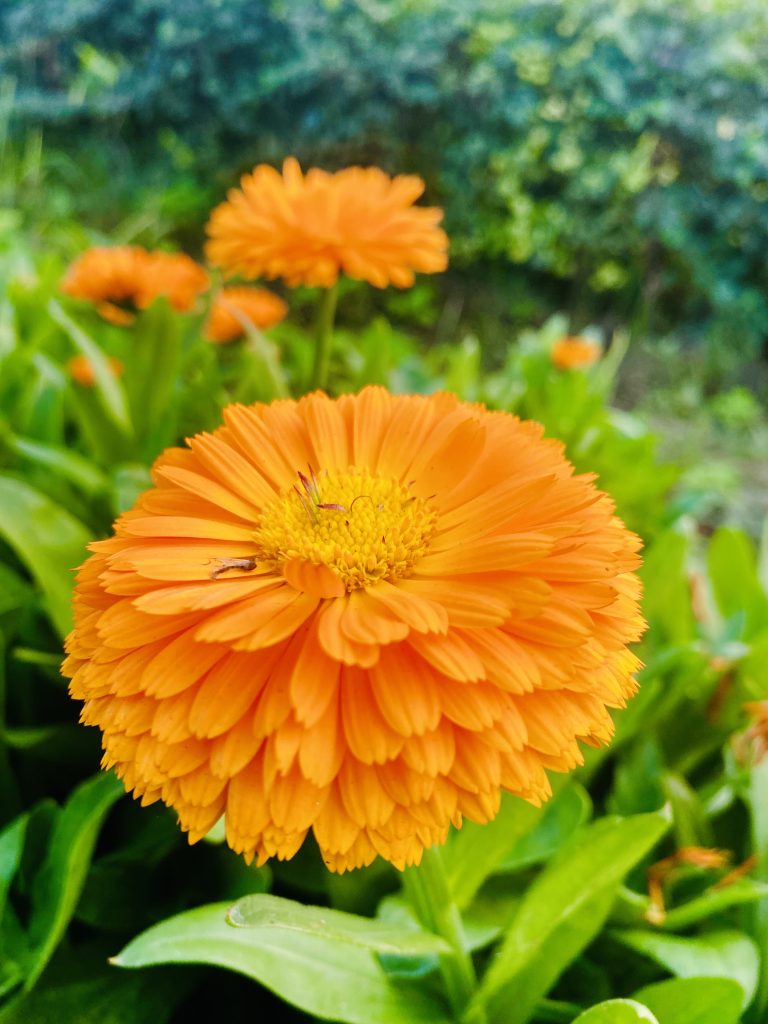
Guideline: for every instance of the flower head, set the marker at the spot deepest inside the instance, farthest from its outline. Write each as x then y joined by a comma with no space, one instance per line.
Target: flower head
258,306
364,617
122,279
575,353
81,369
310,228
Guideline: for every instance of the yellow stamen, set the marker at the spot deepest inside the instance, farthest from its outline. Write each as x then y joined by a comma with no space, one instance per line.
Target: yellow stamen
362,541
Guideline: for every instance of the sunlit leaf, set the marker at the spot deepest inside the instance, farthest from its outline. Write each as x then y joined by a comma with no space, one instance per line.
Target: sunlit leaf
49,540
333,981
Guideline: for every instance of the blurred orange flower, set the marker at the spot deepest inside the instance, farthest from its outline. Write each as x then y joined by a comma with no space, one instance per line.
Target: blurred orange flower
575,353
81,369
259,306
310,228
122,279
365,616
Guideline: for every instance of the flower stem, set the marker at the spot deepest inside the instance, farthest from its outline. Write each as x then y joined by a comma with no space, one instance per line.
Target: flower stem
429,894
325,318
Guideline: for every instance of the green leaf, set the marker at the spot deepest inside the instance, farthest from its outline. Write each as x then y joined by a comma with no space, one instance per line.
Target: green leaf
689,819
562,912
49,540
724,954
106,386
127,483
617,1011
562,816
694,1001
265,912
58,885
333,981
11,848
476,851
667,599
732,565
70,465
152,373
714,901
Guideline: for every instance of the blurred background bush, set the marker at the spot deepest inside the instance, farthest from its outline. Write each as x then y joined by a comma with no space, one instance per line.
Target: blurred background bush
608,157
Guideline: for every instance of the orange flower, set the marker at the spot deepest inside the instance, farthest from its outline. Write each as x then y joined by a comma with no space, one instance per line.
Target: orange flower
308,229
129,276
572,353
261,307
365,616
81,369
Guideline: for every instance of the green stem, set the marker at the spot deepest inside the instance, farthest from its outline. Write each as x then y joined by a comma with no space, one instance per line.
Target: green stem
429,894
325,317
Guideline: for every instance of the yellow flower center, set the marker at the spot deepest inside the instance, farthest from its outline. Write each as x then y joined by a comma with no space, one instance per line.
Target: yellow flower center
364,527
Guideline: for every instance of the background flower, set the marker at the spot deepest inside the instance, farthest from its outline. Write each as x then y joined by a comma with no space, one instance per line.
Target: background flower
81,369
574,353
259,306
365,616
122,279
310,228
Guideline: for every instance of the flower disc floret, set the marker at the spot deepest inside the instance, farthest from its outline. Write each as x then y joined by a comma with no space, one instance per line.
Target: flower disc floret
363,527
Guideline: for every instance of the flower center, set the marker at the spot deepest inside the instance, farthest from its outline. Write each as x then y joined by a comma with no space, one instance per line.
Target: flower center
364,527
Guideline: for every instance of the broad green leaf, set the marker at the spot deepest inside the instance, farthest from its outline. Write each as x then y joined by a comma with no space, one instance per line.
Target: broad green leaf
617,1011
694,1001
689,819
128,482
569,809
265,912
152,372
333,981
667,599
562,912
15,592
637,784
107,386
60,881
713,901
732,565
724,954
11,847
476,851
49,541
68,464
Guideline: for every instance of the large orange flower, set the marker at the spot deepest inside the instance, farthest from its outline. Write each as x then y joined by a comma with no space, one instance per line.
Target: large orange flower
309,229
365,616
258,306
121,279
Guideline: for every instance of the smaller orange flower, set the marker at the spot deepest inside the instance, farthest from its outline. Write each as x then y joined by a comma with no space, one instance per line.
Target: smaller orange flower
260,306
309,228
121,279
81,370
575,353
